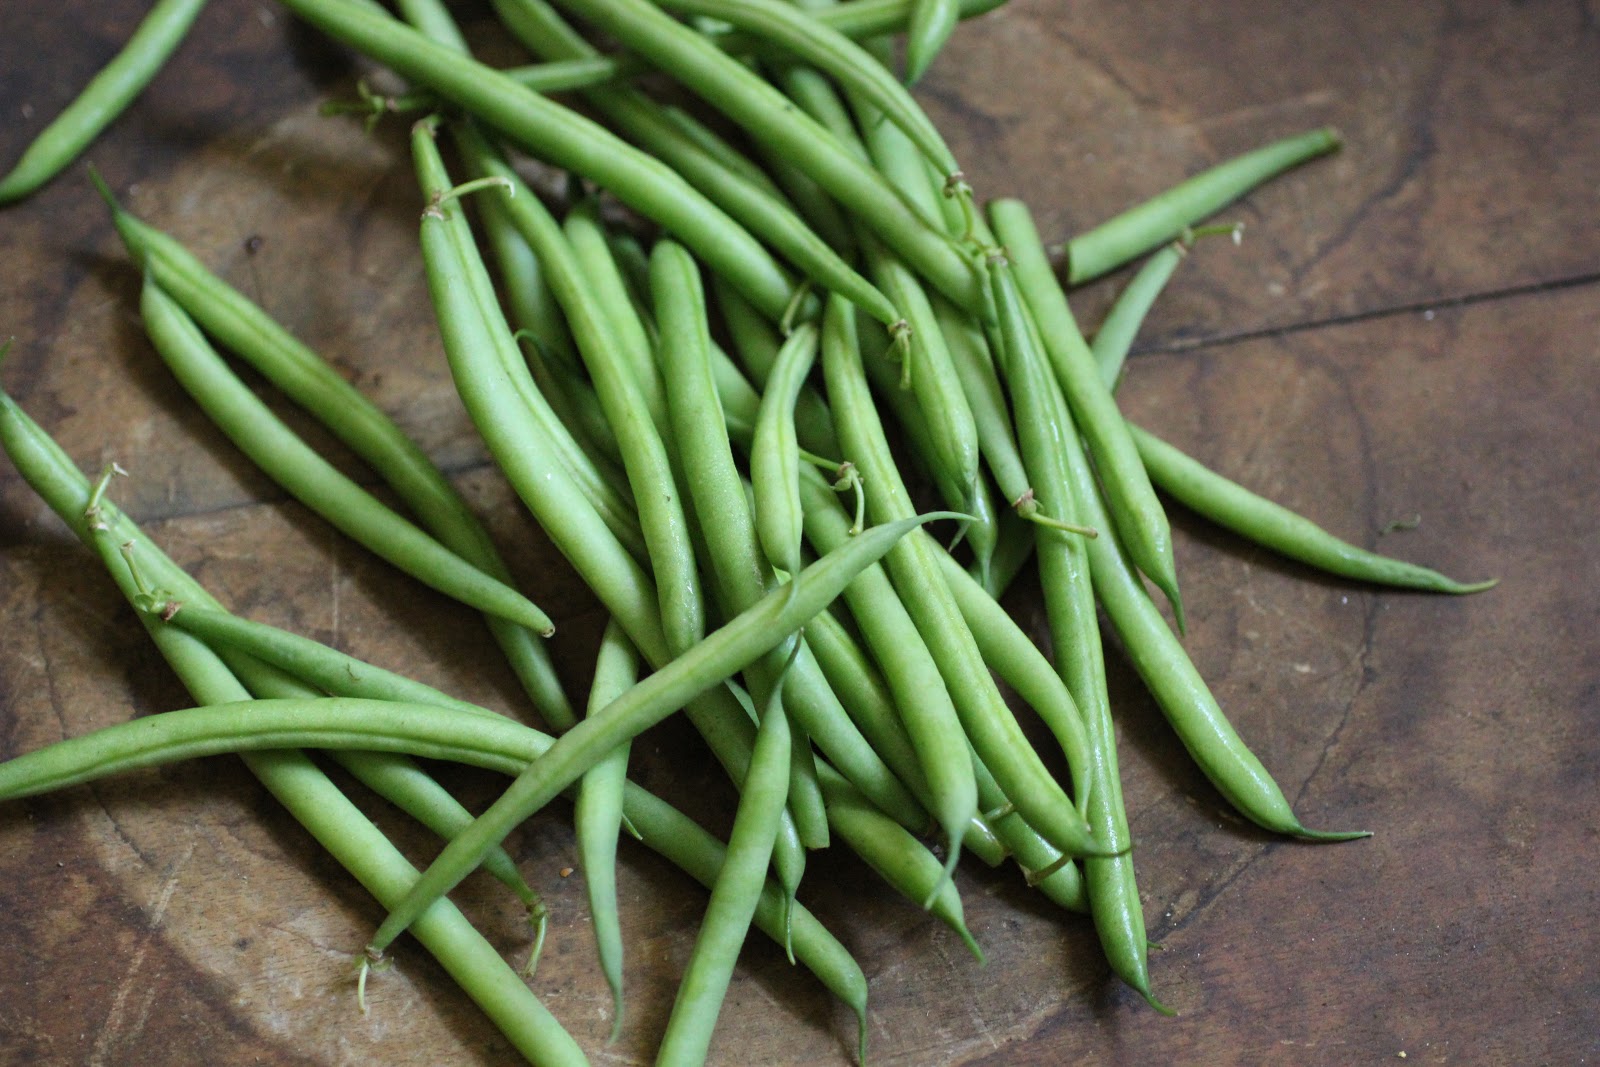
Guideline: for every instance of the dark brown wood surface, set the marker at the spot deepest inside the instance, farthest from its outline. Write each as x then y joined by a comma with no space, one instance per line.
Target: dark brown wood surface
1411,328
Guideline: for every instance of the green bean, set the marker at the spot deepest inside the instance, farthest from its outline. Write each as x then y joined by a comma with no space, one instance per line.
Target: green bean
761,110
987,721
756,344
564,139
586,236
972,497
898,857
597,815
1129,497
105,97
722,653
302,788
303,376
312,480
733,897
1164,217
1121,324
1043,423
1273,526
804,37
526,284
750,202
932,22
775,452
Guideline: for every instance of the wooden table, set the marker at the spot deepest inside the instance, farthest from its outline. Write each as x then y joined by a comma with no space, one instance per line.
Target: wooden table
1410,329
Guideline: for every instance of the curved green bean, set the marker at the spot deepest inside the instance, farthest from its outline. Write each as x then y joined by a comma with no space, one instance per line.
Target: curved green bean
105,97
733,897
1164,217
775,452
932,22
245,329
1274,526
597,814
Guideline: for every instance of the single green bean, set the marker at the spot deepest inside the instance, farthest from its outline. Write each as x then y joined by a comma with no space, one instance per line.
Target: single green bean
280,453
775,452
1164,217
722,653
597,815
106,96
733,897
1273,526
586,236
1043,423
932,22
898,857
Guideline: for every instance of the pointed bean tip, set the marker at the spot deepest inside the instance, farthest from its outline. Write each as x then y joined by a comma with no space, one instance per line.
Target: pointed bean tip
1328,836
1161,1009
1452,585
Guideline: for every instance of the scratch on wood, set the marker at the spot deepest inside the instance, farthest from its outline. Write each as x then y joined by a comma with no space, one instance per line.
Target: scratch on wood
120,1021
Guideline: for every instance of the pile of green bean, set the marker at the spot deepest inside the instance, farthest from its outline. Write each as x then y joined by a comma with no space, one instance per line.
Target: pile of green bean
722,426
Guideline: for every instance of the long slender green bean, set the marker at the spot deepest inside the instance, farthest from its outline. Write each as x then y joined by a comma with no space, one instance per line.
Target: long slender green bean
597,815
1043,424
1162,218
733,898
105,97
775,452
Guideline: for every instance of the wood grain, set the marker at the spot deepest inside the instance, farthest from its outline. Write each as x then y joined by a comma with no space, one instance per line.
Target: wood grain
1410,329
